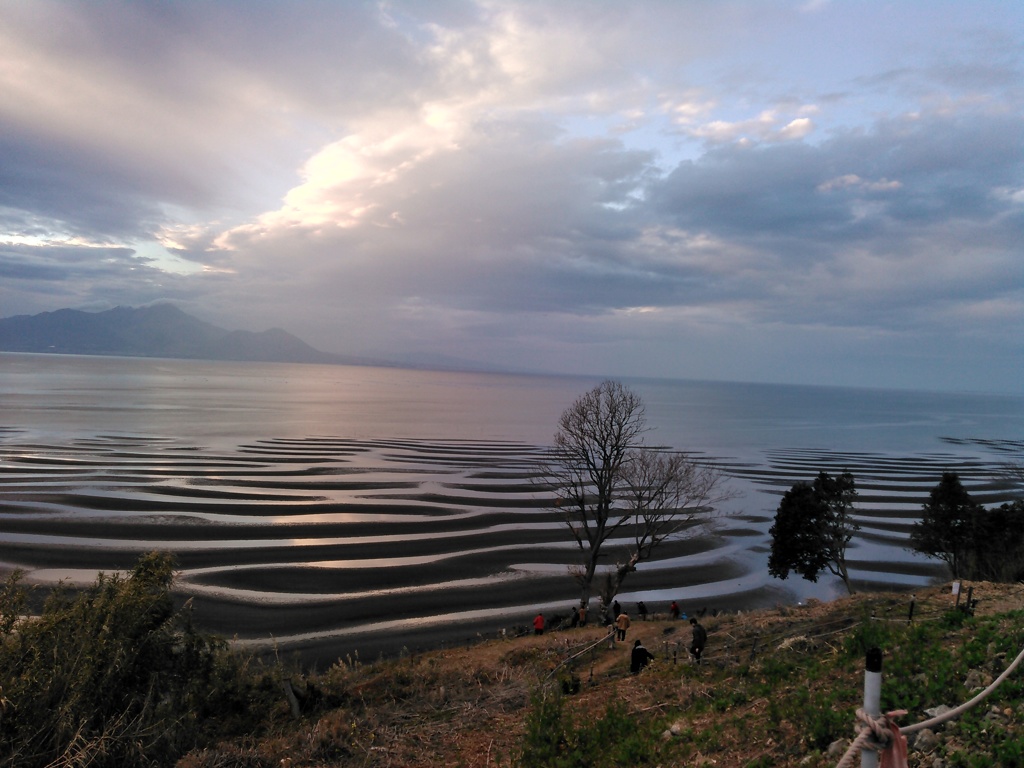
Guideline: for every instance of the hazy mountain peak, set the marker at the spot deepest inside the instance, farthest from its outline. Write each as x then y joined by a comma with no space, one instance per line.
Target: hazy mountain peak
158,330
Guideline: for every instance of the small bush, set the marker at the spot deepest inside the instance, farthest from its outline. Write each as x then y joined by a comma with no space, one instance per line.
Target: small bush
553,740
544,741
111,675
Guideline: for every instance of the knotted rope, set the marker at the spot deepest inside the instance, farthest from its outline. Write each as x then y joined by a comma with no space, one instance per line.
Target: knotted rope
881,734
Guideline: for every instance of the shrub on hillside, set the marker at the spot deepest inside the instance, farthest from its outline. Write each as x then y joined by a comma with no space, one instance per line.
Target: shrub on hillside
553,739
111,675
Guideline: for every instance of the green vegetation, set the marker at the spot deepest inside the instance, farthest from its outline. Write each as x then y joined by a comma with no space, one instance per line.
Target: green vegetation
552,738
813,526
114,675
975,542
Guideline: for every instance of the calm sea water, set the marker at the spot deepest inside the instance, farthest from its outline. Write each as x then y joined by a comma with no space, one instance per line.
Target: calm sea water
301,499
56,395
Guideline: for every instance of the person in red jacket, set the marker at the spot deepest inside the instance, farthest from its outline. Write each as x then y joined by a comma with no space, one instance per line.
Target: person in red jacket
538,624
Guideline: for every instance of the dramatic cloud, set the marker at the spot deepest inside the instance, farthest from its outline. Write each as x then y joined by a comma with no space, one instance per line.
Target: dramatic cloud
814,192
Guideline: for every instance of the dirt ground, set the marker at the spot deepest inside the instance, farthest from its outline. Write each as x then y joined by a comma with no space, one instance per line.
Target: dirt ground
471,705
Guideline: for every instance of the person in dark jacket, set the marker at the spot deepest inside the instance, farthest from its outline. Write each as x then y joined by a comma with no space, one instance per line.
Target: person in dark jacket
639,658
700,639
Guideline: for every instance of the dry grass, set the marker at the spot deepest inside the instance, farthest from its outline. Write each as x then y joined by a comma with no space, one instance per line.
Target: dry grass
467,707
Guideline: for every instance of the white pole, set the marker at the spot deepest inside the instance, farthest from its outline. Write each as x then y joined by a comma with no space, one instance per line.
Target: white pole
872,700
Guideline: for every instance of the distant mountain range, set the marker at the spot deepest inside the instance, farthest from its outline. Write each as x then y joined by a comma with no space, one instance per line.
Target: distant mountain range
161,330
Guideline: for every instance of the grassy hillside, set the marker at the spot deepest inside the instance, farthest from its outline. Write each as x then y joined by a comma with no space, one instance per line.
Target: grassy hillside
114,677
777,688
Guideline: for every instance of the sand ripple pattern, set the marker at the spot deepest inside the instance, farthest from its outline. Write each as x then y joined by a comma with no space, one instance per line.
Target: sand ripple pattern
303,540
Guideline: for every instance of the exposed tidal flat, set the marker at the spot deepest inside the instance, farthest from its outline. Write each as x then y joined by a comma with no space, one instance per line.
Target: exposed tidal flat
327,510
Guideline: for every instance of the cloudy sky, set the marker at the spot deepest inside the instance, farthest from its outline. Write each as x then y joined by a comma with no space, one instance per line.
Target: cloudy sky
815,192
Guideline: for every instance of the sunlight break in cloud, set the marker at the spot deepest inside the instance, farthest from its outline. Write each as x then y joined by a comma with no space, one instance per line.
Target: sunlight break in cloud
763,128
342,183
531,177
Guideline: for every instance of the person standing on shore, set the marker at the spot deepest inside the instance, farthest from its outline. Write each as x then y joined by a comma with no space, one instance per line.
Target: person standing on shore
642,610
700,639
583,615
538,624
621,625
673,610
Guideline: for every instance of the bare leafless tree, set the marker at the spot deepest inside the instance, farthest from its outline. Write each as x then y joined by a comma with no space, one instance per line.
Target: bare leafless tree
608,484
666,495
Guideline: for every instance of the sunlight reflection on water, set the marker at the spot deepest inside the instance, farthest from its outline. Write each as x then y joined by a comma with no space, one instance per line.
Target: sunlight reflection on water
107,456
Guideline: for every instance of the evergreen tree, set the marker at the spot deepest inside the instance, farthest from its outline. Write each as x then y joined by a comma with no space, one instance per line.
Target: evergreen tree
813,527
998,543
946,529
